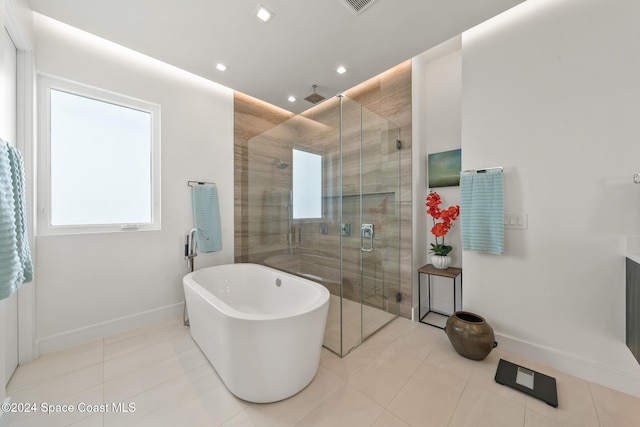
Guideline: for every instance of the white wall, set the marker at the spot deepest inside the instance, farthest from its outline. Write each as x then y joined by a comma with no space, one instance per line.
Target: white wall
93,285
436,96
550,91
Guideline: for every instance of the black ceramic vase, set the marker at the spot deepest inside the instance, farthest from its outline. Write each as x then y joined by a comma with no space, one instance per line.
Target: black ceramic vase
470,335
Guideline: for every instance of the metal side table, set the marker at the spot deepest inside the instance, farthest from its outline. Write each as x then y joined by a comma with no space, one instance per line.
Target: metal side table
430,316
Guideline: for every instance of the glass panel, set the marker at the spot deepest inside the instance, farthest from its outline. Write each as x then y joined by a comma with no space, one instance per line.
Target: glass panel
359,184
319,244
381,208
351,215
266,211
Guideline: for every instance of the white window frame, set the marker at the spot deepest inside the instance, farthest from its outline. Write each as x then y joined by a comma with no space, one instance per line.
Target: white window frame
45,84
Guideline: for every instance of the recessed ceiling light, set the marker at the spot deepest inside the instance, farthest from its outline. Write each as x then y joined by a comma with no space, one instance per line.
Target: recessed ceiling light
221,67
341,70
292,99
264,14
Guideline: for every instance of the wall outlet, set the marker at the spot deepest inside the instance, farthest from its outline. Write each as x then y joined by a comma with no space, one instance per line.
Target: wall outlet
516,220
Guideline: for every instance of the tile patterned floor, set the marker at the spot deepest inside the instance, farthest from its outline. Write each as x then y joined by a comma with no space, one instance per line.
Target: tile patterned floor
358,319
405,375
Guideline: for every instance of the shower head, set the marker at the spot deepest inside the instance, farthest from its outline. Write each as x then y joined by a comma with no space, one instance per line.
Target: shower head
314,98
280,164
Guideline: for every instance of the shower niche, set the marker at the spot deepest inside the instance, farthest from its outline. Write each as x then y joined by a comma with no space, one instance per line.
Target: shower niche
312,182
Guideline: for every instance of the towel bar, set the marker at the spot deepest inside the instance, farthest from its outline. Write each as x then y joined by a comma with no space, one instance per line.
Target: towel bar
192,183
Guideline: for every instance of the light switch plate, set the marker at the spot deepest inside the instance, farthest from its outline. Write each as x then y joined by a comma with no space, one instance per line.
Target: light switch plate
516,220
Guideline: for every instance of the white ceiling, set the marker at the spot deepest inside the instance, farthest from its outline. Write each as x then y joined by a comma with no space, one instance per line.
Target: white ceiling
302,45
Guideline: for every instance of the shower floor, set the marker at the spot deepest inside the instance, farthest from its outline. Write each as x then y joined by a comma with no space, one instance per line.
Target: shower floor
357,321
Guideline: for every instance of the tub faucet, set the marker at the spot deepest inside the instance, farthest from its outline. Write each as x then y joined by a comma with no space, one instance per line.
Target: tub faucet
191,250
192,244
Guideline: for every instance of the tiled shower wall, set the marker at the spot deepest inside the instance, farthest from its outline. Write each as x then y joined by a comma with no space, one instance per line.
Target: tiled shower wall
253,117
261,216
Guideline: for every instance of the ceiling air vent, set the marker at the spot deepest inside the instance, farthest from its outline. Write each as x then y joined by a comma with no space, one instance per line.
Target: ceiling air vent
358,6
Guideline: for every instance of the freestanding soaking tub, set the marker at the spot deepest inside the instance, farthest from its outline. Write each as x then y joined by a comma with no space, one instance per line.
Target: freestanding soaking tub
261,329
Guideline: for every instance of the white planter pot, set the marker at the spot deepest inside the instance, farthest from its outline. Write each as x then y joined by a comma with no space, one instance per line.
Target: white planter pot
441,262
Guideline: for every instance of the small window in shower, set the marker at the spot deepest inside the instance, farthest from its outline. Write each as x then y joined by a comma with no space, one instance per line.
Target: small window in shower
307,185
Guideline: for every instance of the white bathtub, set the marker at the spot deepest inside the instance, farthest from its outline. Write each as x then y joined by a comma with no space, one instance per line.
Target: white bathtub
260,328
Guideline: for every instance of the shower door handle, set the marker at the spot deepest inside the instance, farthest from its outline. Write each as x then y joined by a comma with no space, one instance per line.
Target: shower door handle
366,232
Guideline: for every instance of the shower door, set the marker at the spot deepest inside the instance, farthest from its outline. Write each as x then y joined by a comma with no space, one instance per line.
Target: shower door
370,175
346,234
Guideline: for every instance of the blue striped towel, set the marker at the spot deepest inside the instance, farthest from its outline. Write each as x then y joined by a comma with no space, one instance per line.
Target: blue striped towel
482,211
15,257
206,217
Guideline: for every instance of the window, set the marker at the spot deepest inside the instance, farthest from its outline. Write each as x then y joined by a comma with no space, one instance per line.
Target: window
307,185
100,158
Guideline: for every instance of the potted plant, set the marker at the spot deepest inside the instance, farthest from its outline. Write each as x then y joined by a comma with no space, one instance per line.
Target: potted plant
442,222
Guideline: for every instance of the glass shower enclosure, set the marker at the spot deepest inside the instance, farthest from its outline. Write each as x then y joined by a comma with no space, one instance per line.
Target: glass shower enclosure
323,202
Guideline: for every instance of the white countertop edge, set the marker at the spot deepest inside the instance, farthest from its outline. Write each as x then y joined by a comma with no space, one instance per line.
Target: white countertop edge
633,248
633,257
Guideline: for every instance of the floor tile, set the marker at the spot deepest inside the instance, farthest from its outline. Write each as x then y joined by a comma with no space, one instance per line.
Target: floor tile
140,341
57,416
429,398
141,331
419,339
346,407
615,409
481,408
138,359
96,420
57,364
152,403
387,419
385,375
534,419
444,356
406,374
484,372
290,411
575,404
209,409
387,335
59,388
242,419
151,375
345,367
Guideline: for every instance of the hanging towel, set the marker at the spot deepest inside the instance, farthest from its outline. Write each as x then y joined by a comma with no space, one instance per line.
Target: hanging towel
22,238
482,211
206,217
15,258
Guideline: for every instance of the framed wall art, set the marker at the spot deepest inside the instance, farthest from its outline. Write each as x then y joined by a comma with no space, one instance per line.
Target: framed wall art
444,168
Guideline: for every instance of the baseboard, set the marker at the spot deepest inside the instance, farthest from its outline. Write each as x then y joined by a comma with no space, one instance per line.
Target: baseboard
626,381
101,330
